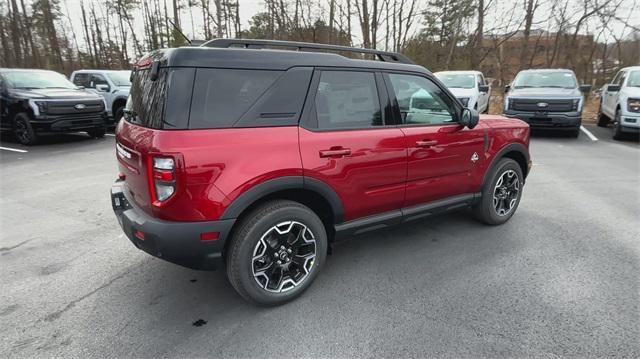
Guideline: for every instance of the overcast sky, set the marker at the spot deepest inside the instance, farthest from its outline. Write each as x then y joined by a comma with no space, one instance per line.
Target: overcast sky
630,11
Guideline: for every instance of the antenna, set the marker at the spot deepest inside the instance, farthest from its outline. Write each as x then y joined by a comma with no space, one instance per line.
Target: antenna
180,31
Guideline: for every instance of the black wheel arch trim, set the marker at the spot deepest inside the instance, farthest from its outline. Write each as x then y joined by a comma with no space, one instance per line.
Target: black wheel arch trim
512,147
271,186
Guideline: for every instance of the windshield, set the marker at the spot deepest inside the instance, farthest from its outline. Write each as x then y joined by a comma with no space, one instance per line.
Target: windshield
120,78
561,79
465,81
634,79
38,79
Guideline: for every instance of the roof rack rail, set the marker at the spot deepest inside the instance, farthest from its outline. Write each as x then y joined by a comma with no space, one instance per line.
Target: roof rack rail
306,46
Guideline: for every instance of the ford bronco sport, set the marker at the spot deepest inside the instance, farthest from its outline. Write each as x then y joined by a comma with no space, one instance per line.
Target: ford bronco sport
244,154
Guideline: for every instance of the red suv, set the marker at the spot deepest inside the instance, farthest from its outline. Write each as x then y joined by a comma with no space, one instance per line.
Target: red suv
244,154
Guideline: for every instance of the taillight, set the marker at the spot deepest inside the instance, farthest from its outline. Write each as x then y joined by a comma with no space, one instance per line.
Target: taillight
162,177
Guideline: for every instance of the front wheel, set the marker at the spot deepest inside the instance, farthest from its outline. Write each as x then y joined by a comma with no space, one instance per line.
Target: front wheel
617,127
501,193
23,130
276,252
603,120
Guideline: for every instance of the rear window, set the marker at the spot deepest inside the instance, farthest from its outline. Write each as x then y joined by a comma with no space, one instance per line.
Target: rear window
145,106
222,96
163,103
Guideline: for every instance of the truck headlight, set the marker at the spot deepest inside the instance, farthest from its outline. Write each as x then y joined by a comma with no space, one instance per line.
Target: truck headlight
633,104
577,104
507,103
465,101
38,107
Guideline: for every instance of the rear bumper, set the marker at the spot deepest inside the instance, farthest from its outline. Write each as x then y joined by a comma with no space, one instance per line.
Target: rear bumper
176,242
62,124
556,121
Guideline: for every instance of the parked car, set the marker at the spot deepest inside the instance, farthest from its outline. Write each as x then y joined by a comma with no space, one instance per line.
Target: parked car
620,103
39,102
113,85
547,99
469,87
284,152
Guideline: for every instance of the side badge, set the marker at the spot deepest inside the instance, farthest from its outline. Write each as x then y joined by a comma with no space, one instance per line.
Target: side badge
474,157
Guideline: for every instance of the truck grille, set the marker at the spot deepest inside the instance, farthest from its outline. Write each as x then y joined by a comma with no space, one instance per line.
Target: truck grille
69,107
533,105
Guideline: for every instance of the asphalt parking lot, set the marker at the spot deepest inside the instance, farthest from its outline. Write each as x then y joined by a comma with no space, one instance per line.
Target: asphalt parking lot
560,279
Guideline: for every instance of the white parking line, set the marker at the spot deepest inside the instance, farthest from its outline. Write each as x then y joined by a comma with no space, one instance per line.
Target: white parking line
110,134
588,133
12,149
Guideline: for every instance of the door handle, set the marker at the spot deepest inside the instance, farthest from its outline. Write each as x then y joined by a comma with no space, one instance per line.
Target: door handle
426,143
335,152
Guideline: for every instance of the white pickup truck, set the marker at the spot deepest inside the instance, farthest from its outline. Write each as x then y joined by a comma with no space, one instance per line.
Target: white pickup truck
620,103
470,87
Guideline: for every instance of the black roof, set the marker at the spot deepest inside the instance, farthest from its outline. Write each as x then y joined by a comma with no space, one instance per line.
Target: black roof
267,59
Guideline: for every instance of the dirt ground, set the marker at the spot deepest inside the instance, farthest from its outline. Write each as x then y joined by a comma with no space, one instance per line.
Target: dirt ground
589,114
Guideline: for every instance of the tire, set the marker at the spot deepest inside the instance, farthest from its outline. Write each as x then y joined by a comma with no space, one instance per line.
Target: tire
23,130
575,133
97,132
117,115
263,273
487,210
603,120
617,129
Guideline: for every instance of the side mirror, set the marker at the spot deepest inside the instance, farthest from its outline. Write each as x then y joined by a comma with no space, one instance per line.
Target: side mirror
585,88
613,88
483,88
469,118
103,88
507,88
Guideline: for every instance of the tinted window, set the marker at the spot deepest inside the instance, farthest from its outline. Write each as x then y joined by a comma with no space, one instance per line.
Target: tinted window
222,96
97,80
347,99
421,101
81,80
145,105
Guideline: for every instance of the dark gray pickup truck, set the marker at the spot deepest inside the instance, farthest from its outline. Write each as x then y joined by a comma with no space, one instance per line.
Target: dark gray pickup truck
546,99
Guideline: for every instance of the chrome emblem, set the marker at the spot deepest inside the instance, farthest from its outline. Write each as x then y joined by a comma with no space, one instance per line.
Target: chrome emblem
474,157
542,104
79,106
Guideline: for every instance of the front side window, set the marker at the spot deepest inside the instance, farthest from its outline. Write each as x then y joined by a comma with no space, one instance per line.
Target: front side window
347,99
421,101
97,80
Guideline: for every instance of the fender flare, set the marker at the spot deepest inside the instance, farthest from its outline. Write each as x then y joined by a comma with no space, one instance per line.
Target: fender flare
512,147
246,199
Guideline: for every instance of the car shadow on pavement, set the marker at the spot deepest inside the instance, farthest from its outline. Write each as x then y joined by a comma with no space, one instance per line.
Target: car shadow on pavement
9,138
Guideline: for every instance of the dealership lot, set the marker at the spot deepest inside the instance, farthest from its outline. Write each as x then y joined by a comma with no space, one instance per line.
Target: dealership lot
559,279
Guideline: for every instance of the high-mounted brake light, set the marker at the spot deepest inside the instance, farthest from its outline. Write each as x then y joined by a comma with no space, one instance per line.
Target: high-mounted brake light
162,174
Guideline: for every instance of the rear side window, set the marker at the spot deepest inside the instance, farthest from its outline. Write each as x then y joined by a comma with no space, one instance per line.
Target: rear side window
347,99
222,96
81,79
145,106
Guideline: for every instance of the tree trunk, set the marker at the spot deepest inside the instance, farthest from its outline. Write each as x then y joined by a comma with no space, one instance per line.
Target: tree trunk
530,9
15,32
478,39
219,28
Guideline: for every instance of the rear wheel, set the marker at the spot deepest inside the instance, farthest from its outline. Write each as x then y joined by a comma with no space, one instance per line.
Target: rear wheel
23,130
276,252
501,193
117,114
603,120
